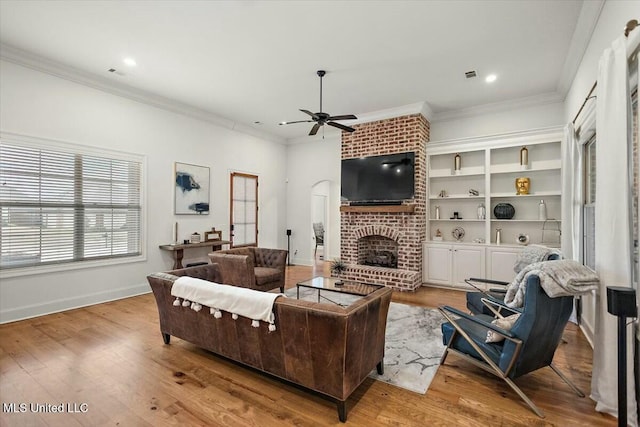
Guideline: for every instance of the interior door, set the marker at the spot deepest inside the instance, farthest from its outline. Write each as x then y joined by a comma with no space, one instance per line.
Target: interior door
244,210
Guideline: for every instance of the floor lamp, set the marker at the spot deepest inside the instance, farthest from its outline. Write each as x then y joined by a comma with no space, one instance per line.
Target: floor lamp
621,302
288,247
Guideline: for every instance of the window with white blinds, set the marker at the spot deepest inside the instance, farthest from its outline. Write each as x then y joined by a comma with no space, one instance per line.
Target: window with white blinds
589,208
60,206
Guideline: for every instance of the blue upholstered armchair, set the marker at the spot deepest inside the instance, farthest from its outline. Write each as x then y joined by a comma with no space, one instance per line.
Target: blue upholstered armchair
529,345
474,299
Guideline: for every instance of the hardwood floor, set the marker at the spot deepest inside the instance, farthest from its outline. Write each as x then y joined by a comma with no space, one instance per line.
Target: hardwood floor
111,357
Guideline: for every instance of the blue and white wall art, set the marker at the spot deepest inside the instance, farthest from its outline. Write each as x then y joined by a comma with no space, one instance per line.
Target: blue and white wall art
192,189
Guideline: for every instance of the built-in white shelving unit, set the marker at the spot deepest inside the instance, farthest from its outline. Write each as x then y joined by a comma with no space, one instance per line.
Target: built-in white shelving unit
490,166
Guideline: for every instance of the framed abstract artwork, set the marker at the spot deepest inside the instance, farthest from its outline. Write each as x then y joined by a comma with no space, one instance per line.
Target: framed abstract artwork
191,189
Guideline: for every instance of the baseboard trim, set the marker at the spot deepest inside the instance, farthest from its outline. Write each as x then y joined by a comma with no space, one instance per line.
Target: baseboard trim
64,304
301,261
588,334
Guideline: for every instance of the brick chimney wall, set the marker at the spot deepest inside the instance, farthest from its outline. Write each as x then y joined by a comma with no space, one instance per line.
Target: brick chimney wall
408,229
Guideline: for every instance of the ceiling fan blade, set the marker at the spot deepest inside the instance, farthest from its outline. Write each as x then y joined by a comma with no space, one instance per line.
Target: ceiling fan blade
314,129
339,126
309,113
345,117
296,121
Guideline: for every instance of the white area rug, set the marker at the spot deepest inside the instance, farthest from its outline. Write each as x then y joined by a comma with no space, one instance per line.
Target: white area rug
413,347
413,342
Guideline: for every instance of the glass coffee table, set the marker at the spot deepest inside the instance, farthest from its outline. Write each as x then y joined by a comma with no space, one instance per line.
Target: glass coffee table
329,284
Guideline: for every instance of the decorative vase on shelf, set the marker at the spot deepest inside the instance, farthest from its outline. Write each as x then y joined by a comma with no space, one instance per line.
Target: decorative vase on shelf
481,211
542,211
524,158
457,163
504,211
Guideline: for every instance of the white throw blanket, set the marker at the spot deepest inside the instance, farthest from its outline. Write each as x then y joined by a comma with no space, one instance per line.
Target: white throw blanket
531,254
557,278
255,305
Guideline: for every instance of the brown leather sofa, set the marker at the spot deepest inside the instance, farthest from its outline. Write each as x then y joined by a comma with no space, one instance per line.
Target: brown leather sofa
324,347
255,268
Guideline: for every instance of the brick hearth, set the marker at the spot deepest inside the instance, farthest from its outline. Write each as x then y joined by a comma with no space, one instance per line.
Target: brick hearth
407,228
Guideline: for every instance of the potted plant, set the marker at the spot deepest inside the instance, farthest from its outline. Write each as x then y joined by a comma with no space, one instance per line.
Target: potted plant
337,268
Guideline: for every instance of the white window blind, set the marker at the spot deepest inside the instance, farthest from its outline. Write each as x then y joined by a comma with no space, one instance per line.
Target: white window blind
60,206
589,209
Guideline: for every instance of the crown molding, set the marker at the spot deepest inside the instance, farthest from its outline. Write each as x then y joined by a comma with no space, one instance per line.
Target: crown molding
427,111
498,107
529,136
20,57
389,113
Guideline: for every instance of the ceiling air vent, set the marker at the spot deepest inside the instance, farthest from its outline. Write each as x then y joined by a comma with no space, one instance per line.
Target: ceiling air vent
114,71
470,74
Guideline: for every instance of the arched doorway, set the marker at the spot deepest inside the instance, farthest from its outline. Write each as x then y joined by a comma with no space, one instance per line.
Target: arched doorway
320,220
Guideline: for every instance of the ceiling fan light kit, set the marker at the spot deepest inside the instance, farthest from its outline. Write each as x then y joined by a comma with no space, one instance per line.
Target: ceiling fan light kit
321,118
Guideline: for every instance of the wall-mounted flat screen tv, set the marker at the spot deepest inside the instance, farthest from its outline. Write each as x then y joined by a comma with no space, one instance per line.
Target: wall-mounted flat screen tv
386,178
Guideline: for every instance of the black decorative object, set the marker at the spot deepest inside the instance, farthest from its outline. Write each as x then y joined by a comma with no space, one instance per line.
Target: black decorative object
458,233
504,211
288,246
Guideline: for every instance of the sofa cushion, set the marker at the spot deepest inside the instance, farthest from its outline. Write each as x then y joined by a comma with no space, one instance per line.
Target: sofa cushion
266,275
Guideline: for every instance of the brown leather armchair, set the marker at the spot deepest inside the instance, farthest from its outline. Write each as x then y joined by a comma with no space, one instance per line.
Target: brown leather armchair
255,268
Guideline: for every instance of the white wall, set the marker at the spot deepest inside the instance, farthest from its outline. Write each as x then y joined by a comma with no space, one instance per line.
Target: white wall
511,120
613,17
38,104
307,164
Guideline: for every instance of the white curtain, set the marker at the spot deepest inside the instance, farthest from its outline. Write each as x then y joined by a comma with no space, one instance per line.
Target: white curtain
571,194
613,224
637,139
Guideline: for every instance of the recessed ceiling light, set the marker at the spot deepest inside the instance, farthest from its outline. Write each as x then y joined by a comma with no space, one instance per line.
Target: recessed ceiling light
129,62
491,78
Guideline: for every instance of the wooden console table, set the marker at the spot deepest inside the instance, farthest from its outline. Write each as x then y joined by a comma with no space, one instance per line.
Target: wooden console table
178,249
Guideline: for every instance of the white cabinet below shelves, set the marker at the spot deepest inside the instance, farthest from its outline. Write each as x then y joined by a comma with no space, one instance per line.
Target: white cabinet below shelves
449,265
500,262
437,264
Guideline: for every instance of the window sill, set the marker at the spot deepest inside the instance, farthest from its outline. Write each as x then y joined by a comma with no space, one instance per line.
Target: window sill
45,269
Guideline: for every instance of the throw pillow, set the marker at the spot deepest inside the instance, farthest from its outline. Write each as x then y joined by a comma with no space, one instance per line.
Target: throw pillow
505,323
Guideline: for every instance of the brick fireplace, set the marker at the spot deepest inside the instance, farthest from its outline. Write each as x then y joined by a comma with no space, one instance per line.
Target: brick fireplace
383,244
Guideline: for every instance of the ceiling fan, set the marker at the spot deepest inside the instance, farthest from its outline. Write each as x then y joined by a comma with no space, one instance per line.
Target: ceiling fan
322,118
